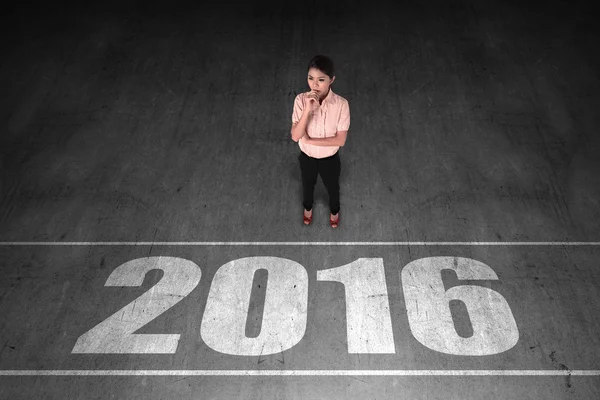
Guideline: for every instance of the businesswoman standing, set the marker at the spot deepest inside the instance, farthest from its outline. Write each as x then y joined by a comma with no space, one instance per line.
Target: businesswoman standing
320,123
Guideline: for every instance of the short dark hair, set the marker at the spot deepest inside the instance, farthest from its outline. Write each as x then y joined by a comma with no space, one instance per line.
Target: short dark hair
322,63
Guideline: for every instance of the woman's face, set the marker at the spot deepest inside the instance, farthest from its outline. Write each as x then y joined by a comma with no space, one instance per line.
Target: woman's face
319,81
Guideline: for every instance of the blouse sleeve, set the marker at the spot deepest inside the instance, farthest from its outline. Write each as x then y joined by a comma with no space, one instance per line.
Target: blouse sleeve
298,108
344,120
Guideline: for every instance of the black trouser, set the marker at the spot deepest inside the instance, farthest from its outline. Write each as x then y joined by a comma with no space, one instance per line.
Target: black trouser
329,168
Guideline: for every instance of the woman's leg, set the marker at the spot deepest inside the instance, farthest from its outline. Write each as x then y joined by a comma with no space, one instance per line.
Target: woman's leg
308,169
330,170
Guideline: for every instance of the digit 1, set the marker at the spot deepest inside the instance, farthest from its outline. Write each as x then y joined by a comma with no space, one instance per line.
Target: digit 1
369,324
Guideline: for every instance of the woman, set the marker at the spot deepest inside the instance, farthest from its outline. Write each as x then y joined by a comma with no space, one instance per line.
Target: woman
320,123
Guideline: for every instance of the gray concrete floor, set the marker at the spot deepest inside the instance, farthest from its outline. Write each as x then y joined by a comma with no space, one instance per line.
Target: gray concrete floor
470,122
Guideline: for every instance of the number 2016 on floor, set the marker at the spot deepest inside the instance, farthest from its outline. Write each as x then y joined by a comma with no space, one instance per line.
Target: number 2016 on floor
368,317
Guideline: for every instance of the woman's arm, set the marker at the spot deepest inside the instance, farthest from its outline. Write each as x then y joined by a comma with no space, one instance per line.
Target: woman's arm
327,141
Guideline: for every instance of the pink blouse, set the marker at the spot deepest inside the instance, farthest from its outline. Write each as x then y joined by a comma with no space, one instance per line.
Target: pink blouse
332,116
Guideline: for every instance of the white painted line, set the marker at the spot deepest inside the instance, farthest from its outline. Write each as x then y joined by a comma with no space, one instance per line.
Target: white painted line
299,243
351,372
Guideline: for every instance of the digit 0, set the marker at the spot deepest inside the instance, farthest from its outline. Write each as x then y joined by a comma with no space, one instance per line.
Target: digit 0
284,318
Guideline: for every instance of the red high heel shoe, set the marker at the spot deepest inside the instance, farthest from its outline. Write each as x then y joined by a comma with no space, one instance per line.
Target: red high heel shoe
334,224
307,220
